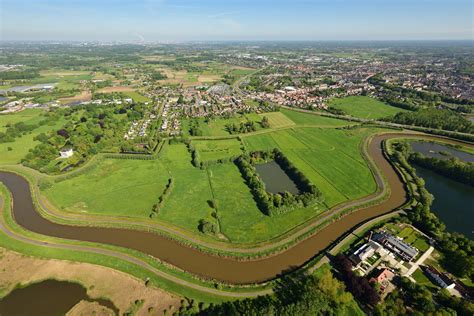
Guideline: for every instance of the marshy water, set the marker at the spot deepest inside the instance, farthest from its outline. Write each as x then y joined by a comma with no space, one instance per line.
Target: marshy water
275,179
435,150
50,297
454,201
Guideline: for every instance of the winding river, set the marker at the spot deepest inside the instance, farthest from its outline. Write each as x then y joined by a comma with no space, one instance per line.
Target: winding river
198,262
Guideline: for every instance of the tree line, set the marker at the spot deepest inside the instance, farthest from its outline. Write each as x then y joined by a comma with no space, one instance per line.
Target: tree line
457,249
277,203
317,294
452,168
434,118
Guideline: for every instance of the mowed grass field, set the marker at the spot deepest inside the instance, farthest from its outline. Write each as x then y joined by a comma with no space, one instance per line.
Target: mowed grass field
364,107
301,118
217,149
330,158
277,119
114,186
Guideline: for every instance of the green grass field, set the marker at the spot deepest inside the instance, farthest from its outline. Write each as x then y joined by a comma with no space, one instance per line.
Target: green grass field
217,149
312,119
102,189
330,158
137,97
414,238
12,153
364,107
28,116
217,126
277,119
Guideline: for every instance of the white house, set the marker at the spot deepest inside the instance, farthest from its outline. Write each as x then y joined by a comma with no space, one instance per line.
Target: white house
66,152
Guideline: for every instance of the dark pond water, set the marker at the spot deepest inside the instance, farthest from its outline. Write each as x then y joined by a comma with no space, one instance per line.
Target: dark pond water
453,203
50,297
275,179
430,149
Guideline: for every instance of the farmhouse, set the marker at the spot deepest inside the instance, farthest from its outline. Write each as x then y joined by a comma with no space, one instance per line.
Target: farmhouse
365,251
439,278
66,152
395,245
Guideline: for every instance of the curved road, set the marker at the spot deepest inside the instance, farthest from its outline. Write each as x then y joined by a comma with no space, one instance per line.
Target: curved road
195,261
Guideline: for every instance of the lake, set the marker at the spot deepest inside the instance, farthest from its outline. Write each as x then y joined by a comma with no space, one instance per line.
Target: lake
275,179
50,297
432,150
453,202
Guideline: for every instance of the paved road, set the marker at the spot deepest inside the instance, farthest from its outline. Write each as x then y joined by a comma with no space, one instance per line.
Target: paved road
419,261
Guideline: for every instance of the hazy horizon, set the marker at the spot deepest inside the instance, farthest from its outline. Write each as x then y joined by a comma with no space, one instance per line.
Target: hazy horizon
259,20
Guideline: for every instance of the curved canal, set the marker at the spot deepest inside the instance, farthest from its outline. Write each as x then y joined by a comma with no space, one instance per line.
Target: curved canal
204,264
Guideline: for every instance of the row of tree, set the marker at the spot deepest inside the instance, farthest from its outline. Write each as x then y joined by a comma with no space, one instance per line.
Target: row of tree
157,206
242,128
277,203
434,118
453,168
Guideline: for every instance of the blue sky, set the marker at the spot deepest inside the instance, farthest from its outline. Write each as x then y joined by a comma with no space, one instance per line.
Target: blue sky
178,20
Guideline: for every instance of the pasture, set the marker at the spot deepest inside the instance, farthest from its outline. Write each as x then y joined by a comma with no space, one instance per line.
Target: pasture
364,107
12,153
114,186
217,149
277,119
301,118
330,158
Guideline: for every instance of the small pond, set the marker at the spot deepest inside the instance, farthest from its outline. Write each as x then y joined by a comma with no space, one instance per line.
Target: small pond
430,149
50,297
275,179
453,202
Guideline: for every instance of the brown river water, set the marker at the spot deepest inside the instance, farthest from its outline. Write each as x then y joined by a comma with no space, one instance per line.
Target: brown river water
198,262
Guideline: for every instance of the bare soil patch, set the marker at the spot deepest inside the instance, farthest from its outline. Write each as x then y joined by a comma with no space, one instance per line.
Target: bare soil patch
116,89
83,96
85,308
101,282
